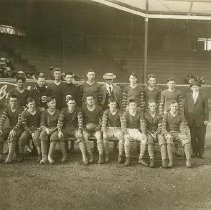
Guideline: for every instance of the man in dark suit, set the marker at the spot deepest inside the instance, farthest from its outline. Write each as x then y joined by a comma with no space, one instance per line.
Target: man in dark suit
110,90
197,115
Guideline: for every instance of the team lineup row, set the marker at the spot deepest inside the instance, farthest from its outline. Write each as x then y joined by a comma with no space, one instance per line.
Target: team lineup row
148,116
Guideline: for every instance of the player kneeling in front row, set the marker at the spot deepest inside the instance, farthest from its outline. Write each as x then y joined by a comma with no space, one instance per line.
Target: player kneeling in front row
11,134
49,120
176,131
131,124
70,124
111,128
91,116
30,120
153,123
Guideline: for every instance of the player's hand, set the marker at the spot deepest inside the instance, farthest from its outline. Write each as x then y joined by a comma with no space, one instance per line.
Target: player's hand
206,122
60,134
12,133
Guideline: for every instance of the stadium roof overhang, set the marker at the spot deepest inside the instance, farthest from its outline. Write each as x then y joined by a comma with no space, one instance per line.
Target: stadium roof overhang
163,9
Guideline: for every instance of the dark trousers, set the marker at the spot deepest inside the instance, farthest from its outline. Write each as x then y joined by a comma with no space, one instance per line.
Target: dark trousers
197,138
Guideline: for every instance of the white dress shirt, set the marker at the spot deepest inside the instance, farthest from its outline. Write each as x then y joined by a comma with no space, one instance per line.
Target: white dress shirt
195,96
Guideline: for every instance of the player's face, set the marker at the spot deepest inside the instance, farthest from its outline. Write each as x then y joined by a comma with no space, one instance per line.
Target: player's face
20,83
132,79
52,104
112,105
41,82
90,101
132,106
69,79
71,104
90,76
31,105
152,107
13,102
152,81
171,84
195,88
57,75
174,107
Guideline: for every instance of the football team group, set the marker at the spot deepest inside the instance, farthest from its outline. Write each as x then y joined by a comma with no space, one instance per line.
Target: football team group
65,112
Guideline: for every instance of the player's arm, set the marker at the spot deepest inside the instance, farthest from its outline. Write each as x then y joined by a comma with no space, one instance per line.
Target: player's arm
143,126
60,124
123,121
3,118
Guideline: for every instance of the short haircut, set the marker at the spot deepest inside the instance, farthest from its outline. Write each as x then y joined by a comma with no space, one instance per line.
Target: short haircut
170,79
50,98
132,101
13,96
90,70
174,102
30,100
89,95
133,74
56,69
69,73
152,101
41,75
151,76
112,100
21,77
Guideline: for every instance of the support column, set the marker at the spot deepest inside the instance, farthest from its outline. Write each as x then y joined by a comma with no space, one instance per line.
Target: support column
145,49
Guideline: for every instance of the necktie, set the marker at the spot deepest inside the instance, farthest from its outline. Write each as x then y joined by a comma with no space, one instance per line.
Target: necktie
110,89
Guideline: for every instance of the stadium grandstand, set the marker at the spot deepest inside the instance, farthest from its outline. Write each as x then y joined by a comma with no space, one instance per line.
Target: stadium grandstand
165,37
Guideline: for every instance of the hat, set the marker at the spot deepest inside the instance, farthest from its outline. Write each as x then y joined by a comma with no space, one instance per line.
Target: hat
109,76
195,83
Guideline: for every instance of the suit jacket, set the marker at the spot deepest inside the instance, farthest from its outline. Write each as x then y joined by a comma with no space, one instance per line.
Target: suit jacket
117,93
197,112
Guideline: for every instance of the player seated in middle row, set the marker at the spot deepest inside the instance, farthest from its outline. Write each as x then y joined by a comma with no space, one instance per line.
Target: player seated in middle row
30,120
70,125
91,116
133,127
111,127
153,123
49,120
176,131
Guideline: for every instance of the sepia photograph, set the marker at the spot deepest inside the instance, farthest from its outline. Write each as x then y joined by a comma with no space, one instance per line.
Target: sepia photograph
105,104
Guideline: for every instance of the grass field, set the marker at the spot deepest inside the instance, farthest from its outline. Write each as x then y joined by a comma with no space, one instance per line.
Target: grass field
72,185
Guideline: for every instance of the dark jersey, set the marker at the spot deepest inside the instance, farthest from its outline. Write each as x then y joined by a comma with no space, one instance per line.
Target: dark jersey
57,92
49,120
71,90
110,120
91,116
40,95
70,121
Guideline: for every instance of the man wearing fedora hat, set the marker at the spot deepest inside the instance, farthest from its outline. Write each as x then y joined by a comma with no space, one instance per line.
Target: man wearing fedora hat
110,90
197,115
